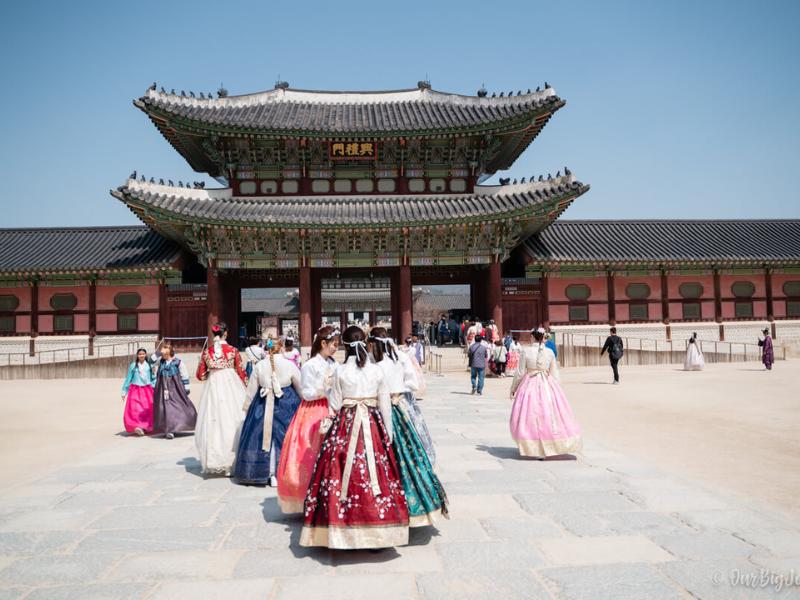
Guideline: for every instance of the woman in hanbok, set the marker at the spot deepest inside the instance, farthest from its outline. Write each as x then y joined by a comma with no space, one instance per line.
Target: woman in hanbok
173,412
512,360
220,416
767,351
273,394
541,421
137,393
410,351
424,493
404,379
303,439
356,497
253,354
694,356
291,353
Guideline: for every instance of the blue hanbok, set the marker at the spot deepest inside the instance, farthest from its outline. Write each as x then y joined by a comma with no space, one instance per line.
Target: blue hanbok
273,390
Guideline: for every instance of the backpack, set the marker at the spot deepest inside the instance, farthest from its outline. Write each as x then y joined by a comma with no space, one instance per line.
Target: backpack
616,350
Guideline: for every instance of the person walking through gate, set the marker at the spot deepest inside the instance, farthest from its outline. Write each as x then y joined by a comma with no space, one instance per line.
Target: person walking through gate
478,356
615,351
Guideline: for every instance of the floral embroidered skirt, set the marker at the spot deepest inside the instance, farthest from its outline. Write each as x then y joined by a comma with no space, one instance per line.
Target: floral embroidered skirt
373,513
299,454
424,493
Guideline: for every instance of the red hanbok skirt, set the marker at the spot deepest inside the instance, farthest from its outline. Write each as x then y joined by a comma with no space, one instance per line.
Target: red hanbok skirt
374,514
299,453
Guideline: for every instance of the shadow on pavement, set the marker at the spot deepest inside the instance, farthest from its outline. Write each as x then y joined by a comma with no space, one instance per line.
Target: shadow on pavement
511,453
191,465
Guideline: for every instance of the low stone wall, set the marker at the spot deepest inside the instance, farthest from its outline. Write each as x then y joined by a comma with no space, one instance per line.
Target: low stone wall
587,356
97,368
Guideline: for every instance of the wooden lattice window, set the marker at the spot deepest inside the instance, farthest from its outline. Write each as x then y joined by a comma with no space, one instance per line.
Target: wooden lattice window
743,310
639,312
743,289
127,300
578,291
8,324
790,288
637,291
793,308
63,323
690,290
8,302
579,313
691,310
743,307
127,322
63,301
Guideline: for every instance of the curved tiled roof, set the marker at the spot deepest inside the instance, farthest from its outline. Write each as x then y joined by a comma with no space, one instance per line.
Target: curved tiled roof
71,249
285,109
220,206
655,241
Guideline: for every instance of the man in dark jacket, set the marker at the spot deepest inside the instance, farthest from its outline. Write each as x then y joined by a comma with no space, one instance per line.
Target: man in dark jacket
615,351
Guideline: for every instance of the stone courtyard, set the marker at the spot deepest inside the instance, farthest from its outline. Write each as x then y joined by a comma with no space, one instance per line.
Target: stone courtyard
117,517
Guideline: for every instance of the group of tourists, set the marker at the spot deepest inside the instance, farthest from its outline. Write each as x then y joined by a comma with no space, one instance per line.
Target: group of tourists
346,445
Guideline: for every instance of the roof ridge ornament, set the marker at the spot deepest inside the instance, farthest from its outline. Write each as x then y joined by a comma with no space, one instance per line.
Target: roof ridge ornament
222,92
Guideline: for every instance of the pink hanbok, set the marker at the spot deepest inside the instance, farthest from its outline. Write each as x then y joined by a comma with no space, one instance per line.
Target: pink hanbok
541,422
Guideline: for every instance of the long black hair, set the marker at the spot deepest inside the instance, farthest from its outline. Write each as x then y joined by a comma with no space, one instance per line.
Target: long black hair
354,340
378,336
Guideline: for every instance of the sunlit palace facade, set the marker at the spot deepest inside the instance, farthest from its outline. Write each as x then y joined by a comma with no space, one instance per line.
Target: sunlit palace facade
374,191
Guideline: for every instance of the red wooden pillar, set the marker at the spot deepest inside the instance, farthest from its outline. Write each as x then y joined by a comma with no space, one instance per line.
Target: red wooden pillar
770,301
718,304
544,305
231,296
306,329
768,287
612,301
163,319
214,302
664,296
34,316
373,317
92,313
404,301
316,301
494,296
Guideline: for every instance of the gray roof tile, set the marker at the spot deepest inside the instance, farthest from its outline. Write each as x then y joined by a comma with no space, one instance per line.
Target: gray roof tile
350,112
656,241
352,210
84,249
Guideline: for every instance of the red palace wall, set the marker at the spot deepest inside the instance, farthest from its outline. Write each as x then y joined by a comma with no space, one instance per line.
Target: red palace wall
106,310
598,309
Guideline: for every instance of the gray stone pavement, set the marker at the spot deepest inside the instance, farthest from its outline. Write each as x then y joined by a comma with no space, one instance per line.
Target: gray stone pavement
136,520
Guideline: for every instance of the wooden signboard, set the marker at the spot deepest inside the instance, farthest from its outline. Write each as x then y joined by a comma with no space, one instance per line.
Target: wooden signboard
352,150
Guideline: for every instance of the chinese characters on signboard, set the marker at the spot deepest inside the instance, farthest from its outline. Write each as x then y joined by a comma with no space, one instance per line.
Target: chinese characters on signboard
353,150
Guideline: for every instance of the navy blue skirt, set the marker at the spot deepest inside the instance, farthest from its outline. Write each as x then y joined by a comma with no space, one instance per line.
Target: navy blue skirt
253,463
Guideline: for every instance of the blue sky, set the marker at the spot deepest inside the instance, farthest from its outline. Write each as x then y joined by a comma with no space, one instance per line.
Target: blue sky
674,109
